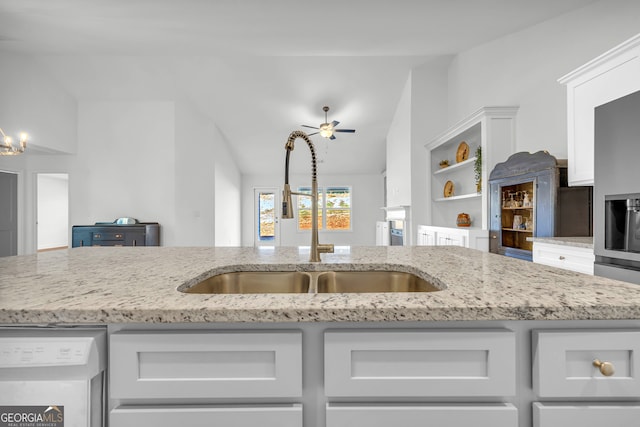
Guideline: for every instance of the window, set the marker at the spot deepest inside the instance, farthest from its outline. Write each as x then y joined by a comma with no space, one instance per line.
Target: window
334,208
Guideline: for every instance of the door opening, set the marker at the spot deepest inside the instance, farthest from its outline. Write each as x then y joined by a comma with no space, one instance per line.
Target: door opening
8,214
266,217
52,226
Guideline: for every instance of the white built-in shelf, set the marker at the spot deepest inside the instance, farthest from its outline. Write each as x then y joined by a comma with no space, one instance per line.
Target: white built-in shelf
467,162
460,197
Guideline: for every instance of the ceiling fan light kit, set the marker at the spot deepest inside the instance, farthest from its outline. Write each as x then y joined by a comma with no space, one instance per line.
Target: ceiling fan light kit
326,129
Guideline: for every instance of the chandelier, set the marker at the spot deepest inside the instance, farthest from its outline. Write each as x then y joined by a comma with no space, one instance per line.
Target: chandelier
7,148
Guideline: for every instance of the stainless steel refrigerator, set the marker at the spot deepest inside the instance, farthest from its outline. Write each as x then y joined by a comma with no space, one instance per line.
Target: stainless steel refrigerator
616,189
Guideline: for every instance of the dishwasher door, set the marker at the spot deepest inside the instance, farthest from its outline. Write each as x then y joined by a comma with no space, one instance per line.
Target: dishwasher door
52,377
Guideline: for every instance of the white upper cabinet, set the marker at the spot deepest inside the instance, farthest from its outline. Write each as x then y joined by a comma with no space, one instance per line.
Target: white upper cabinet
608,77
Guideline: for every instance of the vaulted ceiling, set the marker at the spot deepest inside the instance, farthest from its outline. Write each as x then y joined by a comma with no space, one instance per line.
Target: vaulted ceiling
261,68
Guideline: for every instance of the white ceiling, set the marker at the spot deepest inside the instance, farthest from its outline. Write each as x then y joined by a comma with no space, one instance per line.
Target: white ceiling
260,68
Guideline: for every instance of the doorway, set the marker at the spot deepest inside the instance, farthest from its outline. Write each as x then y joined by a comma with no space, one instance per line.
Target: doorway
266,217
52,226
8,214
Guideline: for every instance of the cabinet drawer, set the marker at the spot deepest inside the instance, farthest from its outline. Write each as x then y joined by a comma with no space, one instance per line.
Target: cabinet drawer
408,415
563,363
420,363
569,258
206,416
205,364
585,415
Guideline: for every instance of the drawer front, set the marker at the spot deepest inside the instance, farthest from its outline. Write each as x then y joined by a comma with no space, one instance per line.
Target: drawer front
108,235
420,363
574,259
207,416
585,415
385,415
205,364
563,363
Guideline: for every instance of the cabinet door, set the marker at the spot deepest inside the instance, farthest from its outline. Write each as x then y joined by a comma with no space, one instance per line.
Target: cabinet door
426,236
385,415
601,83
382,233
201,364
207,416
585,415
451,239
563,363
415,363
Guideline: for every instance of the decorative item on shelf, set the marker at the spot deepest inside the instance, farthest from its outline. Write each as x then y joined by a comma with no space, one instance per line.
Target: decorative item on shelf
7,148
463,152
517,221
449,189
477,169
444,163
463,220
528,224
526,202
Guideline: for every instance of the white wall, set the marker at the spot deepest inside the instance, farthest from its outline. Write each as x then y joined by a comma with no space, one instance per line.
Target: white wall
367,201
125,166
35,103
195,153
428,118
522,69
155,161
228,196
399,152
53,211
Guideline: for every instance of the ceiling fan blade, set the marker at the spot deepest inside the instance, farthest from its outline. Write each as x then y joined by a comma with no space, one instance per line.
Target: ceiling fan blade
309,134
332,137
312,127
345,130
334,123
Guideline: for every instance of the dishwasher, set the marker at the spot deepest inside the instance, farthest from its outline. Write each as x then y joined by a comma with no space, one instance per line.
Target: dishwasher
52,376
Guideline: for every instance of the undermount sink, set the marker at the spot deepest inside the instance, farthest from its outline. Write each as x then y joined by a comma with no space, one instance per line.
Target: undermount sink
372,281
296,282
254,282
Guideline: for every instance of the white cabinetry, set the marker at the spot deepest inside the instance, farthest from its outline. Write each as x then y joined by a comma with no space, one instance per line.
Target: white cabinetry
606,78
445,236
460,364
207,415
382,233
168,369
572,258
421,415
492,129
565,366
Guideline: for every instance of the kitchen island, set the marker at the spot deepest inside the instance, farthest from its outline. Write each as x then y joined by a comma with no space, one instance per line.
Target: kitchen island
503,343
133,284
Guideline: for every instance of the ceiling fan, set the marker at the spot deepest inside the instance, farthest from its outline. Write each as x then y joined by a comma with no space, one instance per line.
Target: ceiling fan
327,129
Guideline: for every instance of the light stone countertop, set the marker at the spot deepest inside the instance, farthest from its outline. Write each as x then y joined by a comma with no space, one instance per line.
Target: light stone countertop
101,285
579,242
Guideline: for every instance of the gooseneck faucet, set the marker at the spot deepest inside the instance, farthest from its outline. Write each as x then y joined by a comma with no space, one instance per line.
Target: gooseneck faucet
287,204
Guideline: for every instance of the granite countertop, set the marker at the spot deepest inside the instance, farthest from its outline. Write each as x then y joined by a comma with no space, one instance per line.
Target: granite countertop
578,242
102,285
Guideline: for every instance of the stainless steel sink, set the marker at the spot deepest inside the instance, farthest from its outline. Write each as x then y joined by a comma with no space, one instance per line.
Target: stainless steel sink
296,282
254,282
372,281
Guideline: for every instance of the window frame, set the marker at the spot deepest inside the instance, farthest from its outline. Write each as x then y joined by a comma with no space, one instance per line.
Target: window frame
322,208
